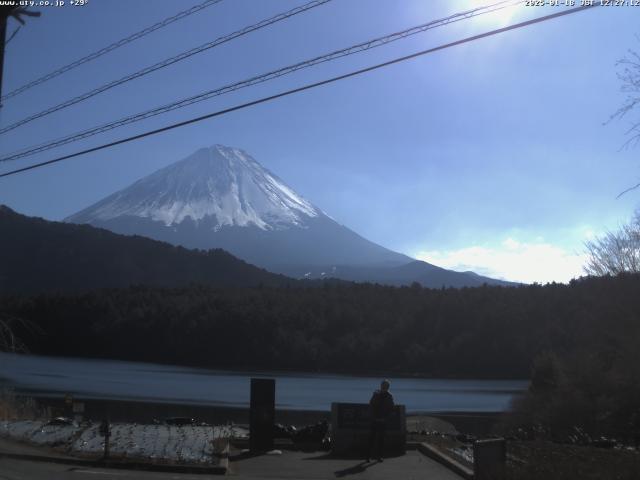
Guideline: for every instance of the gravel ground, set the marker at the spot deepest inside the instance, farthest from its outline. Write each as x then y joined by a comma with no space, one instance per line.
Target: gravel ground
541,460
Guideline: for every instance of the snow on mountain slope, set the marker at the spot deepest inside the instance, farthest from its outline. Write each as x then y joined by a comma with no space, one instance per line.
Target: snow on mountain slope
222,182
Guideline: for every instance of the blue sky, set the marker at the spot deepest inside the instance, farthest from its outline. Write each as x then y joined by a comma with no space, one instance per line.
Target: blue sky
492,156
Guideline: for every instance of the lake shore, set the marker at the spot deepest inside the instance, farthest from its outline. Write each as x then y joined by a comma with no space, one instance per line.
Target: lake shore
161,384
128,411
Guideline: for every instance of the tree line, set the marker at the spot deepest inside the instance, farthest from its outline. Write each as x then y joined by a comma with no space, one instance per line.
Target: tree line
489,331
577,342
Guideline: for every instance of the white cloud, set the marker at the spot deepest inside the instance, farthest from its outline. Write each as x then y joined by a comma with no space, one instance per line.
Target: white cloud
511,244
527,262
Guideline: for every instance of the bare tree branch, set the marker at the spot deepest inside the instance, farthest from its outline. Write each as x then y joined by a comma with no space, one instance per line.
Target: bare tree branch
627,190
615,252
9,342
629,76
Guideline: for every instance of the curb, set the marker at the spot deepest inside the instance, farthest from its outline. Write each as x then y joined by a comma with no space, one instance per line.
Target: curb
446,460
220,469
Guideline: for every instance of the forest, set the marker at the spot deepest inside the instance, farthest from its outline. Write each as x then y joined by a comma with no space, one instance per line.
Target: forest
577,342
491,331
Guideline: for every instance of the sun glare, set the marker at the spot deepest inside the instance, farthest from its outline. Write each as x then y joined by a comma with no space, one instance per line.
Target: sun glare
500,15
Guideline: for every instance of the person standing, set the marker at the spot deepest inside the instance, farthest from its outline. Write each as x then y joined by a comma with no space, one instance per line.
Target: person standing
381,406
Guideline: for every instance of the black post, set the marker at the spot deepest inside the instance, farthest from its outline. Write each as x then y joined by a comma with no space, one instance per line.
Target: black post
68,406
489,459
262,414
105,431
5,12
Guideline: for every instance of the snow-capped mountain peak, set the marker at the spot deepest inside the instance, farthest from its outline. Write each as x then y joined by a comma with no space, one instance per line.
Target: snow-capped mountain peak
220,197
216,182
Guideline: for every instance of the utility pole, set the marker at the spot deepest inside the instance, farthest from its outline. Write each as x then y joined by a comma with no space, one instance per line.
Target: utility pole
5,13
4,16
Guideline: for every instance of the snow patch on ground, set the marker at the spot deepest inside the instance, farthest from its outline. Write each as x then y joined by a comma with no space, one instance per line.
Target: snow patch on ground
466,453
193,444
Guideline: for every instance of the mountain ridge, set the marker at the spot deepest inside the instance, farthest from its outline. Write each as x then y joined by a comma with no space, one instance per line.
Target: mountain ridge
38,255
221,197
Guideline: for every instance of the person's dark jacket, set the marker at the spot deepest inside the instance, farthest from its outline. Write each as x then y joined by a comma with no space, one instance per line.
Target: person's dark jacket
381,405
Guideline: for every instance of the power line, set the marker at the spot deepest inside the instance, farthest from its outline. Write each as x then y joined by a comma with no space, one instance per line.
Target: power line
109,48
369,44
169,61
303,88
15,32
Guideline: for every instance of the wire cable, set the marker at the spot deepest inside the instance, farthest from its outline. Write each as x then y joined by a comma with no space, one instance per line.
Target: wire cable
369,44
169,61
15,32
302,89
113,46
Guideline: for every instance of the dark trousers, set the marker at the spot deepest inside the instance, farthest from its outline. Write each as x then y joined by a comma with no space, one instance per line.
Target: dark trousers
376,437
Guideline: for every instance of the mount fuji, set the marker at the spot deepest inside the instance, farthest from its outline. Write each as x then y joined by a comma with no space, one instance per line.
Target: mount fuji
220,197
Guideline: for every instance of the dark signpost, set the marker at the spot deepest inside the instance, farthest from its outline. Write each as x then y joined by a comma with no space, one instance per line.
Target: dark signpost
351,427
262,414
358,416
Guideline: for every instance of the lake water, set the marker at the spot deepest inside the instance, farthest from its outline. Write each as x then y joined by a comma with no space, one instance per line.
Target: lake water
108,379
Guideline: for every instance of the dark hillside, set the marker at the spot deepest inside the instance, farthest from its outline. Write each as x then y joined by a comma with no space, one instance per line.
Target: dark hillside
37,255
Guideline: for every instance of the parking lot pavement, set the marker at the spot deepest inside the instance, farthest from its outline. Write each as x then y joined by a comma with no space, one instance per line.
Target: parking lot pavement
11,469
320,465
285,466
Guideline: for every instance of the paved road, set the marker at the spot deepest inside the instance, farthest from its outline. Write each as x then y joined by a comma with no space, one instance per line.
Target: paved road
318,465
289,465
23,470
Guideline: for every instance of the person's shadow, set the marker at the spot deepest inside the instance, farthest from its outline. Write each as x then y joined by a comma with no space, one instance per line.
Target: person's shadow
359,468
